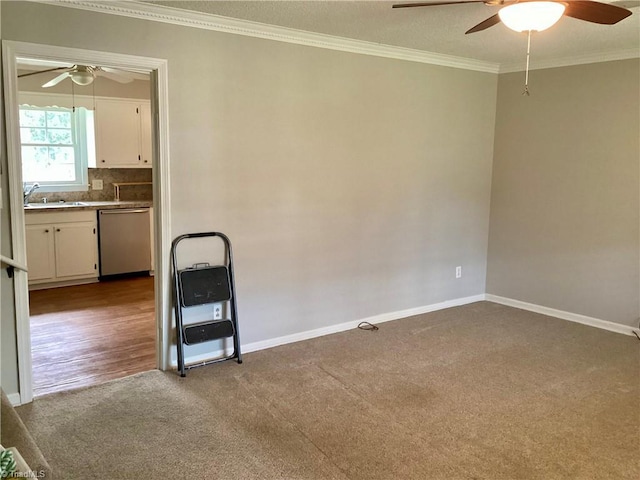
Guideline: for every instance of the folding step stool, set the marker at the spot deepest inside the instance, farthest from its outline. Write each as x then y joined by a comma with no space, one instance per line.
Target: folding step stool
204,284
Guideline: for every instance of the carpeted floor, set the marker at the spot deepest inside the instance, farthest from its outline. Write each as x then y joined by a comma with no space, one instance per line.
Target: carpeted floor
482,391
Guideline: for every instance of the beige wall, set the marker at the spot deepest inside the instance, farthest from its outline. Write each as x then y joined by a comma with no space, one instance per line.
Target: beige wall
565,196
350,185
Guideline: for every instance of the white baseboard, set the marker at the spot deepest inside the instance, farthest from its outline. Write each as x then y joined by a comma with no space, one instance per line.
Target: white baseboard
64,283
340,327
572,317
14,398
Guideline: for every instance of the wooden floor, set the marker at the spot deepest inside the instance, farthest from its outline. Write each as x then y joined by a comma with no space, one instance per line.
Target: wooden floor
88,334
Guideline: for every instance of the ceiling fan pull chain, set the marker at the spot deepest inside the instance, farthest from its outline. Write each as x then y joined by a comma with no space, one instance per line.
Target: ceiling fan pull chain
73,98
526,75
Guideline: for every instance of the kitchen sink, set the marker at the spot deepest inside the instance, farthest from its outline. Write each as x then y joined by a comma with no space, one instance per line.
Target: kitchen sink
37,205
56,204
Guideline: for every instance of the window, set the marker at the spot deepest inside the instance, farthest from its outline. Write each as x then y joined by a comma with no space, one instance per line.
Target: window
56,145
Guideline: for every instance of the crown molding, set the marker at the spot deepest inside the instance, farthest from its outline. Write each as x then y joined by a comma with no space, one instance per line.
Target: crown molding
571,61
205,21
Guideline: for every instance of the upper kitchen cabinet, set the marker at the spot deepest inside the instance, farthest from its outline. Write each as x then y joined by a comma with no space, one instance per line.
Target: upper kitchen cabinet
145,134
123,134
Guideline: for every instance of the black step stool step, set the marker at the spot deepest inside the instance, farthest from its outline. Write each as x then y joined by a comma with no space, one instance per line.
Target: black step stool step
201,286
207,331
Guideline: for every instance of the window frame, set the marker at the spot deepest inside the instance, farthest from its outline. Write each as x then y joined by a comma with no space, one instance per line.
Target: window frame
79,133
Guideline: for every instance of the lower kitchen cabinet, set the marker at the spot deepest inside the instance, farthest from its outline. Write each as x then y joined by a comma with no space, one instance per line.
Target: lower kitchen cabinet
40,252
62,247
153,241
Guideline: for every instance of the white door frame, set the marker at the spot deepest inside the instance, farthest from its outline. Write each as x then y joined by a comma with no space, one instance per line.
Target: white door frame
158,70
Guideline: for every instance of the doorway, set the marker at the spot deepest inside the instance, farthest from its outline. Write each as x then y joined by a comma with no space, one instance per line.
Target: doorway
157,69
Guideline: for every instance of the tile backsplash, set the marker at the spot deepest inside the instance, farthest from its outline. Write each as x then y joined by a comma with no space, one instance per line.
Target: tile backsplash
109,176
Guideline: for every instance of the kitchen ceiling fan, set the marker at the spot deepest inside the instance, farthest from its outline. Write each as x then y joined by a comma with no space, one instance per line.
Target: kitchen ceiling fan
86,74
523,15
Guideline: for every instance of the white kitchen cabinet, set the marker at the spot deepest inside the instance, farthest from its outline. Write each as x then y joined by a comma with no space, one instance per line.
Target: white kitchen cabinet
153,241
40,252
145,135
76,249
62,247
123,134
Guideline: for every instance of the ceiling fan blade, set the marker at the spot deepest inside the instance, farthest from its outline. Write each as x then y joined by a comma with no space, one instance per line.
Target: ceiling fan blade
42,71
489,22
125,73
115,77
433,4
596,12
56,80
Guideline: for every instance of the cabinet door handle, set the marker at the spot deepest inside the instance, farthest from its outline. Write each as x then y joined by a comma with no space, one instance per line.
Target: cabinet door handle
57,229
46,230
103,161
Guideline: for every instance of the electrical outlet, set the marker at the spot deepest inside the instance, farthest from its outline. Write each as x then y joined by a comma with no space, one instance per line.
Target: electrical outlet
97,184
458,272
217,311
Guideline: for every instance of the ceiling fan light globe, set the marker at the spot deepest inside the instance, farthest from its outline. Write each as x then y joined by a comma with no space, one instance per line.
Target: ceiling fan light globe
526,16
82,78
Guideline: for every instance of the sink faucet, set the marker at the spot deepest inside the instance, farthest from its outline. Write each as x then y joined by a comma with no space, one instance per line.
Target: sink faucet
27,191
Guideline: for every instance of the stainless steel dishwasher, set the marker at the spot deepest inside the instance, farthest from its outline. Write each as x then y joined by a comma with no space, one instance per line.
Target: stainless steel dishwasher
125,244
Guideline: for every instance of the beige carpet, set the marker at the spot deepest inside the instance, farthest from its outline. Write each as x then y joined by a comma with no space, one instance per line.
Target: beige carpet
475,392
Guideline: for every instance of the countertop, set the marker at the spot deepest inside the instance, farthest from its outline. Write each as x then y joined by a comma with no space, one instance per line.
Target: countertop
58,206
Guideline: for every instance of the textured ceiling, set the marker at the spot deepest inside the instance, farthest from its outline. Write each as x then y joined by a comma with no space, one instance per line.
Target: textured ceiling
436,29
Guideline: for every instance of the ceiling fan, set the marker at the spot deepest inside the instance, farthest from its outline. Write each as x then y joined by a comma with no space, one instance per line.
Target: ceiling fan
522,15
86,74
